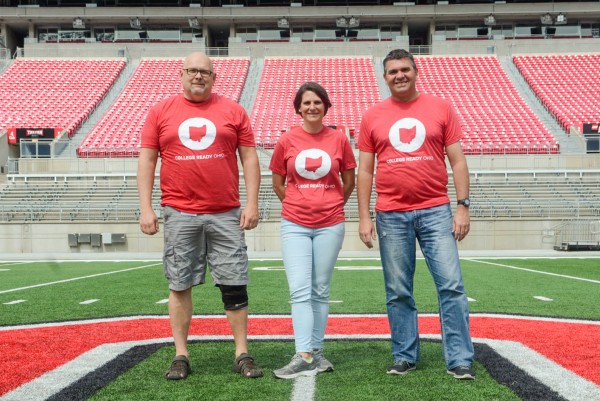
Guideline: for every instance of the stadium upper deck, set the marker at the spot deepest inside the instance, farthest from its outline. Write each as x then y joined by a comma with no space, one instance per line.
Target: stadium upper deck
219,23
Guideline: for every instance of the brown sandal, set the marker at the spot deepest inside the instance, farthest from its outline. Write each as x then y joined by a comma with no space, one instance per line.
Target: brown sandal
179,369
244,364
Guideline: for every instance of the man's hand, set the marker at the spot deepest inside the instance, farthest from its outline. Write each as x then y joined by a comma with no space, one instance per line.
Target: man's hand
149,222
461,224
249,218
367,233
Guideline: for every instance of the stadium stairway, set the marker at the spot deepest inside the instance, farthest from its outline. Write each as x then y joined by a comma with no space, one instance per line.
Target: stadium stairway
567,144
383,88
102,107
250,89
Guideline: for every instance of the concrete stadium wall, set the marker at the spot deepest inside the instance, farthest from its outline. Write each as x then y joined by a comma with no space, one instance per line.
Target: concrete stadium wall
314,49
486,234
48,238
510,47
129,50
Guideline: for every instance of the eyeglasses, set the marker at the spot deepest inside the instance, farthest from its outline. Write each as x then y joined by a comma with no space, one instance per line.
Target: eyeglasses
193,71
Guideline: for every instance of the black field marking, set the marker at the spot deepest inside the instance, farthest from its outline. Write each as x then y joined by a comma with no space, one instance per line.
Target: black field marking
508,374
85,387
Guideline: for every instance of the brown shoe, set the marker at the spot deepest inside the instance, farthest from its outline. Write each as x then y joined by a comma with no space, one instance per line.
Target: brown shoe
179,369
244,364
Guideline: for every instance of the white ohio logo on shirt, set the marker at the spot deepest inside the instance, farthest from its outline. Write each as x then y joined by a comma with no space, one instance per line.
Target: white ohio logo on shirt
197,133
313,164
407,134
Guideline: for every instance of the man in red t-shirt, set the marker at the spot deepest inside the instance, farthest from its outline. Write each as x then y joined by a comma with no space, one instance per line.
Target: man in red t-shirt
197,134
409,133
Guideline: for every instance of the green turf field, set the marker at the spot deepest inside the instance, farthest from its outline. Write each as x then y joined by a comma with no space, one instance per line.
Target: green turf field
53,290
37,291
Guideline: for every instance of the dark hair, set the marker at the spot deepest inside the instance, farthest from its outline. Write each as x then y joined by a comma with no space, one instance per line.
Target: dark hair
312,87
397,55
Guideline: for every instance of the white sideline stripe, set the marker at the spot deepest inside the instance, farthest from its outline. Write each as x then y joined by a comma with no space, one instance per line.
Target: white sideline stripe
535,271
89,301
163,301
304,388
541,298
77,278
331,316
569,385
4,270
471,299
18,301
12,264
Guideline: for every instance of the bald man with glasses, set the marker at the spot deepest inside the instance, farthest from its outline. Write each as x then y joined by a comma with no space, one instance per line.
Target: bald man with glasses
199,135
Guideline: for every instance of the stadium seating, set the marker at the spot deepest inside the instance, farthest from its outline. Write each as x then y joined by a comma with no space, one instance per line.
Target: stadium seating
107,197
350,83
567,85
525,194
117,134
54,93
494,117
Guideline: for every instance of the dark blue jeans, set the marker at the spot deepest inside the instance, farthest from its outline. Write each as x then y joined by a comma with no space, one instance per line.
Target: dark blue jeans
398,233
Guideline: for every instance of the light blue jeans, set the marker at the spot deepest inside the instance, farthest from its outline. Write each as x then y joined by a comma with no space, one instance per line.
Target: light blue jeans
309,255
398,233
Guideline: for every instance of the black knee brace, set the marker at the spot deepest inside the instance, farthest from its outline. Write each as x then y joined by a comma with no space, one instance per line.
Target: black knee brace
234,297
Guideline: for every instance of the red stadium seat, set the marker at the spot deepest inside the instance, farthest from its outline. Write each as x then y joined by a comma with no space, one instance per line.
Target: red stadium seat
117,134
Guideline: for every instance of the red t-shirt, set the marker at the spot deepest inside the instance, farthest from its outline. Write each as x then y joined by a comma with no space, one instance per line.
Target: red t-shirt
312,164
198,144
409,139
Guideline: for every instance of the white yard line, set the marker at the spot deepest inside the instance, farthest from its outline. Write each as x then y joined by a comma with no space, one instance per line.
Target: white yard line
535,271
78,278
304,388
12,264
18,301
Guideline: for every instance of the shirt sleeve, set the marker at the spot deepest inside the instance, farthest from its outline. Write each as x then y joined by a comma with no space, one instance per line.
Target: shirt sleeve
453,132
277,164
365,140
245,133
149,135
348,161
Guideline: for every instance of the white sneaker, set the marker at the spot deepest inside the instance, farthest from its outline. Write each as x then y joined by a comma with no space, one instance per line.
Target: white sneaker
297,367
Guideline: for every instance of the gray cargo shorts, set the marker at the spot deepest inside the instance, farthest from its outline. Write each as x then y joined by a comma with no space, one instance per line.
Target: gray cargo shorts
193,240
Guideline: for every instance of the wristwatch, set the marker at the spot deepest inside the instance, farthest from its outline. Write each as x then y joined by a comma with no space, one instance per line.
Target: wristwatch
465,202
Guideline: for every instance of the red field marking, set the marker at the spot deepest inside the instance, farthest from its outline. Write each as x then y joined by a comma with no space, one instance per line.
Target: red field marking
28,352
